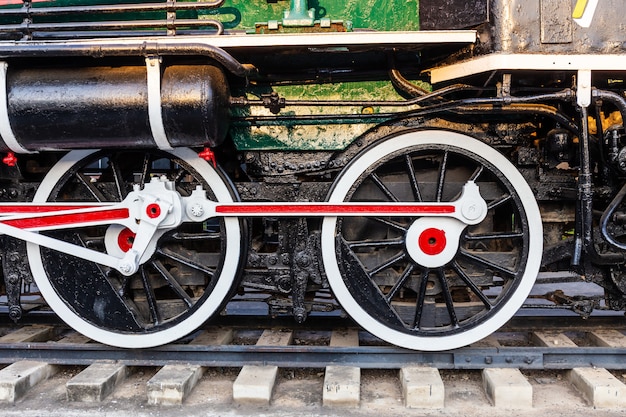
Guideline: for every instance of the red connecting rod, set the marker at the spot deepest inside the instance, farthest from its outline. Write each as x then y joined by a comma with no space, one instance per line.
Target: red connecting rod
40,216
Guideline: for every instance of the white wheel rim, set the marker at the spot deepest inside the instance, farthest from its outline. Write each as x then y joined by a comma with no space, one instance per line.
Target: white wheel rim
489,325
192,322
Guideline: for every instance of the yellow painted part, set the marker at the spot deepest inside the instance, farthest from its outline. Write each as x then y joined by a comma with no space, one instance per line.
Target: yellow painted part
609,121
579,9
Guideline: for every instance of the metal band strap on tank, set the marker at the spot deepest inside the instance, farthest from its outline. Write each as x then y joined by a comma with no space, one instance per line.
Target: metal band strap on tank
153,68
5,125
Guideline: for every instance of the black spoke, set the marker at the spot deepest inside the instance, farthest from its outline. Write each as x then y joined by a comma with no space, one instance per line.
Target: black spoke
90,187
119,180
124,286
442,176
179,175
150,297
468,281
145,169
421,299
403,278
173,283
413,179
379,183
186,237
125,280
492,236
477,172
499,201
447,296
390,223
186,261
387,264
485,263
375,243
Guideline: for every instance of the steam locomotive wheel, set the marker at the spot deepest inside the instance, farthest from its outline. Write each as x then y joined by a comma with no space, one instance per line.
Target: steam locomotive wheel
188,277
418,282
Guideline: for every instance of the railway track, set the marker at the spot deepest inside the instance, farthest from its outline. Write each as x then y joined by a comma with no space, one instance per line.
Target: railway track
319,369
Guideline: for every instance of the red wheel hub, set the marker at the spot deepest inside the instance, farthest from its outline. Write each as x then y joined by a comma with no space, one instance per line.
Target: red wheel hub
432,241
153,210
125,239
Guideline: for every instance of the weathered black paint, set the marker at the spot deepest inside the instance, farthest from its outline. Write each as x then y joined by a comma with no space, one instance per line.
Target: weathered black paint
105,107
452,14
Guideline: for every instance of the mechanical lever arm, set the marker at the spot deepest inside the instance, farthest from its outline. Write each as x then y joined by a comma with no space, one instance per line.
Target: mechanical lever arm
155,209
150,212
470,208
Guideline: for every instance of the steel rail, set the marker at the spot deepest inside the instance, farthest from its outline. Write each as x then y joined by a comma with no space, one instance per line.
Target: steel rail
368,357
518,324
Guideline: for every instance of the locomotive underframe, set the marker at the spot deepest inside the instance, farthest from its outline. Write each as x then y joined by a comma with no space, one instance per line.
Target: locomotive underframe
552,184
555,121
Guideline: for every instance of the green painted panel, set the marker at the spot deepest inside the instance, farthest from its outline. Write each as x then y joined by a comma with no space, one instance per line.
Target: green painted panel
322,136
376,90
364,14
395,15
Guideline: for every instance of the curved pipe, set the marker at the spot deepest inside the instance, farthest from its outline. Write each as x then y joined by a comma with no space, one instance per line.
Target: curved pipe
527,104
243,101
501,101
28,10
606,216
144,48
542,109
584,216
611,97
404,85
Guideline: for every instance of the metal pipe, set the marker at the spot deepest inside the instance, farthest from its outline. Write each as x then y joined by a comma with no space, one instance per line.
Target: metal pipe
585,189
611,97
455,88
475,105
110,25
106,49
29,10
404,85
584,213
606,216
562,95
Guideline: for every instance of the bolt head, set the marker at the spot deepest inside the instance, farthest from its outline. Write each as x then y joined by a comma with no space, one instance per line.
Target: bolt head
196,210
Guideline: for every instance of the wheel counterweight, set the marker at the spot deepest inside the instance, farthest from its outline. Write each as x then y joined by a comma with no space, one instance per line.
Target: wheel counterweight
432,283
185,278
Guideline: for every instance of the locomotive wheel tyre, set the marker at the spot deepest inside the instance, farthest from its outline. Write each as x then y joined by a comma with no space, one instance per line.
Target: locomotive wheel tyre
96,313
352,282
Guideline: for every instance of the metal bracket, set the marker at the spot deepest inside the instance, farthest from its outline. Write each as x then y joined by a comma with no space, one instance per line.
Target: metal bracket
153,69
298,15
583,90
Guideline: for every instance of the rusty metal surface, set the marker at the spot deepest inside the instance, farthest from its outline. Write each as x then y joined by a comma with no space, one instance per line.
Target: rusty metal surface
556,21
547,26
452,14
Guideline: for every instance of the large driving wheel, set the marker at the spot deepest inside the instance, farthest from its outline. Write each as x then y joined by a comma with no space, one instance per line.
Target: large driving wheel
417,282
188,277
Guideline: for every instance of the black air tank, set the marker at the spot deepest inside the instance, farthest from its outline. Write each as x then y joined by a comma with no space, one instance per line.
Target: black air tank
104,107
